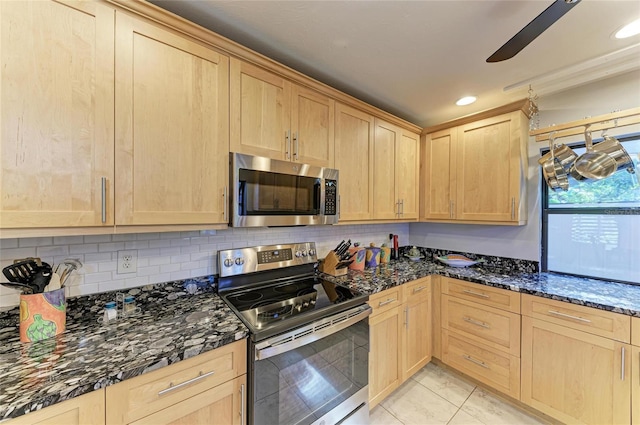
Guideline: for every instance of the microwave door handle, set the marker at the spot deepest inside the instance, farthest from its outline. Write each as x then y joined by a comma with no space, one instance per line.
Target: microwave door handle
318,196
241,198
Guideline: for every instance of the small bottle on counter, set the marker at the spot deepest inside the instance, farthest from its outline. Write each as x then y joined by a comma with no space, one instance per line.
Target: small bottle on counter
110,312
129,306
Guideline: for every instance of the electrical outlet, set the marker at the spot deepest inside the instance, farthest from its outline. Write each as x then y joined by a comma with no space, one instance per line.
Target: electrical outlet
127,261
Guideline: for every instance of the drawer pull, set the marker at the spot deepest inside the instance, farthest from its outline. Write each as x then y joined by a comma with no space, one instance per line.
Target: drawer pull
568,316
419,288
475,294
185,383
475,322
242,404
622,359
478,362
389,301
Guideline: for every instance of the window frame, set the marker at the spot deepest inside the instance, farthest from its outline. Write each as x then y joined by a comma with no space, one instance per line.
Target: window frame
545,211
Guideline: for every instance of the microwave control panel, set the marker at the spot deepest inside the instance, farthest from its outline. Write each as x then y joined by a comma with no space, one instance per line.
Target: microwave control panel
330,196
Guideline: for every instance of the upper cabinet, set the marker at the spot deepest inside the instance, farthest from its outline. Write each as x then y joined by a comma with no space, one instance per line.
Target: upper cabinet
172,127
56,103
275,118
476,172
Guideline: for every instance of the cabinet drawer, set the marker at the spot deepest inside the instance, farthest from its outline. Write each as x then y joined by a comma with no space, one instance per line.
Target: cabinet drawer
496,328
635,331
417,289
143,395
386,300
597,322
486,295
491,367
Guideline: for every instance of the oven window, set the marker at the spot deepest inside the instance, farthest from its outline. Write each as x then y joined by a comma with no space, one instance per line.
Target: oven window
265,193
302,385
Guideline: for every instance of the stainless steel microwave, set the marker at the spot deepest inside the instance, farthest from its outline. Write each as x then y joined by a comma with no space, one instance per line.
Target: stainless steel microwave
269,192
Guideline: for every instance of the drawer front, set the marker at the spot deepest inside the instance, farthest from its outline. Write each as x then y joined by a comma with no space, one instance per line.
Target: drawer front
496,328
591,320
482,294
417,289
491,367
385,300
635,333
143,395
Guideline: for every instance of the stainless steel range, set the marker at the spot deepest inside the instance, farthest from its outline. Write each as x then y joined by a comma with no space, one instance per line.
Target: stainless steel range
309,345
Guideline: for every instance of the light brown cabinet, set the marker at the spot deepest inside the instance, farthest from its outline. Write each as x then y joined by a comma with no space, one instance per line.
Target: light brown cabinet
87,409
57,124
171,127
476,172
395,173
400,336
353,157
208,388
275,118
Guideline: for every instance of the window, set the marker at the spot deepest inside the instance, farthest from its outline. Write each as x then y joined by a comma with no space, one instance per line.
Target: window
593,229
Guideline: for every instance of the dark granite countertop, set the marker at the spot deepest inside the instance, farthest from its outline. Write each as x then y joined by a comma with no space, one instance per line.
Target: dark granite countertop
616,297
174,325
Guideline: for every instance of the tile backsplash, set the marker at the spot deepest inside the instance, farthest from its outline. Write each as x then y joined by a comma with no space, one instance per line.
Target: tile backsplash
163,257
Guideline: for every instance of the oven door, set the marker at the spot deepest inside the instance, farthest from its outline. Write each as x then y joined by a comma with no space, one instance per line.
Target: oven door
314,374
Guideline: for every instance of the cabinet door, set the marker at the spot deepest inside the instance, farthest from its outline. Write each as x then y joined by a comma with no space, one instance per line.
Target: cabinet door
312,127
220,405
417,331
354,159
635,385
87,409
439,176
488,169
406,174
575,376
385,368
260,112
172,132
56,114
384,162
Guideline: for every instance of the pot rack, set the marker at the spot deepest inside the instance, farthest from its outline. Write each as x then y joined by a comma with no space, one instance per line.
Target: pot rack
598,123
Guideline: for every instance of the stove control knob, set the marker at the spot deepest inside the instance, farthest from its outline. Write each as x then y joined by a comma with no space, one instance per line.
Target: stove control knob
298,254
228,262
312,252
312,302
298,307
305,304
304,253
239,261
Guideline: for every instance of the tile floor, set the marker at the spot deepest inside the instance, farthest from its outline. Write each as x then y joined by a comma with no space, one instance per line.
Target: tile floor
437,396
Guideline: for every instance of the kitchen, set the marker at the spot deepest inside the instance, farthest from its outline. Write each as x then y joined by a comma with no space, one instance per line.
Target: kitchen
172,255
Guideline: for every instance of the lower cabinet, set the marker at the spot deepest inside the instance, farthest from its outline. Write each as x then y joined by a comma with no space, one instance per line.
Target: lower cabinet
635,385
206,389
400,336
87,409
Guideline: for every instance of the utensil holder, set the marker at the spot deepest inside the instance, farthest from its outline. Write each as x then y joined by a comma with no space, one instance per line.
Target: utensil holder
359,255
42,316
328,265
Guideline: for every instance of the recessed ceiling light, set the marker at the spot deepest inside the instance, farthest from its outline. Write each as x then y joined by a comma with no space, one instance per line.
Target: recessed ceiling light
629,30
467,100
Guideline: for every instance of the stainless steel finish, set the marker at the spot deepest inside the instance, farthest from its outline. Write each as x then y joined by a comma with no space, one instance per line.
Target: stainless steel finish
402,207
352,411
568,316
241,161
242,404
104,199
513,208
227,265
475,322
296,147
478,362
310,333
388,301
594,164
475,294
419,289
622,361
287,145
225,200
185,383
552,170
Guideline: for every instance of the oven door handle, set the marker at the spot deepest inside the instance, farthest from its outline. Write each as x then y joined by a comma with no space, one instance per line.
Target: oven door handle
310,333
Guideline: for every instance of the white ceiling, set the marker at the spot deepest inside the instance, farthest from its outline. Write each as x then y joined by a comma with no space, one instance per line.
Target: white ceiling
416,58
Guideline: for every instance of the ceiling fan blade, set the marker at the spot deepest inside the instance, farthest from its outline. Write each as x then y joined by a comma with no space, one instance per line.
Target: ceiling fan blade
533,29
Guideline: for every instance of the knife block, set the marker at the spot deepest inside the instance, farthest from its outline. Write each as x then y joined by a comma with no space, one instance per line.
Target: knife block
328,265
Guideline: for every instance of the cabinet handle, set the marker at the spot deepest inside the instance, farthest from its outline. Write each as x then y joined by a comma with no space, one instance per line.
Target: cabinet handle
406,315
225,205
388,301
478,362
513,208
104,199
475,322
185,383
418,289
242,404
451,209
295,147
287,144
338,207
402,204
568,316
475,294
622,355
